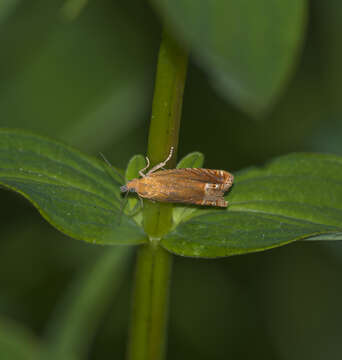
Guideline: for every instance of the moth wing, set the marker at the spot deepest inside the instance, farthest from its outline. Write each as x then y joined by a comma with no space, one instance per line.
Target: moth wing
195,192
196,174
189,186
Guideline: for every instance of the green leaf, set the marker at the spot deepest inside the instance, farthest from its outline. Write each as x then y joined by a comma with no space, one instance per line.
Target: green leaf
73,192
295,197
135,164
7,7
247,47
332,236
72,8
121,64
192,160
76,319
16,342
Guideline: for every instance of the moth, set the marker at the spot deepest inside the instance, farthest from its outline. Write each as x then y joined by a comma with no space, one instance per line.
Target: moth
197,186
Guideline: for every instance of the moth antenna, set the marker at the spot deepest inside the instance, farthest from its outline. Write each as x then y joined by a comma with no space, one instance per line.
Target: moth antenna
105,159
111,166
162,164
141,171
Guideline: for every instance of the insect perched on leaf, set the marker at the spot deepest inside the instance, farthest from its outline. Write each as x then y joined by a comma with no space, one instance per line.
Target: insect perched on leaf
190,185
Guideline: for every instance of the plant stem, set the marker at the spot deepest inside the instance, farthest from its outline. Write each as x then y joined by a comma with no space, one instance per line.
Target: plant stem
150,303
153,270
164,127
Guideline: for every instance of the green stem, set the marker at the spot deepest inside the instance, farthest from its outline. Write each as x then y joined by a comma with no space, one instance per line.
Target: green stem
150,303
153,271
164,127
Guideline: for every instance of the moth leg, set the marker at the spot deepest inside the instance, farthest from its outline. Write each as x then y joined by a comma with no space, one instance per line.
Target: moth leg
162,164
141,172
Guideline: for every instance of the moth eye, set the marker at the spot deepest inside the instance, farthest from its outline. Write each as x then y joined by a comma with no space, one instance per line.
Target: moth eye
132,190
123,188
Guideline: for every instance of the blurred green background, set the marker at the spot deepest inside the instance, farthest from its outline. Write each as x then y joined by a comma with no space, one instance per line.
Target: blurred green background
85,76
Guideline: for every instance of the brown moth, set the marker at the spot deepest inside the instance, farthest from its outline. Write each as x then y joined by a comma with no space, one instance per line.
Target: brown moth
190,185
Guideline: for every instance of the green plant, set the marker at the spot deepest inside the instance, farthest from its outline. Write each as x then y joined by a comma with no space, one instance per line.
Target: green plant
294,197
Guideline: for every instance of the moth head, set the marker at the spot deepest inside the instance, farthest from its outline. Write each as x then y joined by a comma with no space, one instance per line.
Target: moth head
123,189
127,188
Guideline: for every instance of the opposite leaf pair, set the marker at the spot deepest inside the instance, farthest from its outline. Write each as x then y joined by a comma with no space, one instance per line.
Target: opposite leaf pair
287,200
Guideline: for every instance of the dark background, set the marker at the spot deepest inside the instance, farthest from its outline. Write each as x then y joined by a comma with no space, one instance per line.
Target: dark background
89,82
